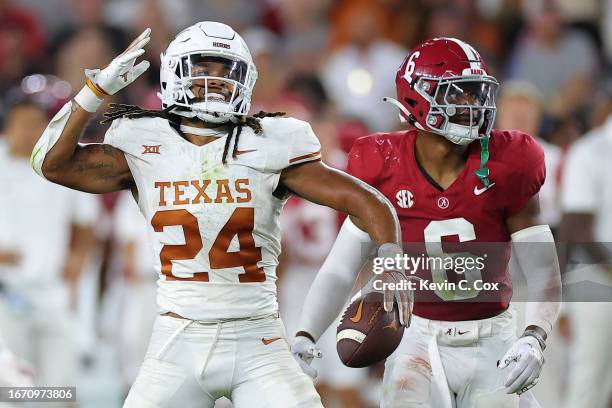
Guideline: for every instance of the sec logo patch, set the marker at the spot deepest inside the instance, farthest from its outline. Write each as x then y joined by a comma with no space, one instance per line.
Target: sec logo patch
405,199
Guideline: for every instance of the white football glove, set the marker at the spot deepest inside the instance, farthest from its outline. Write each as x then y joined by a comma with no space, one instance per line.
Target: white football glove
528,359
394,283
121,71
304,350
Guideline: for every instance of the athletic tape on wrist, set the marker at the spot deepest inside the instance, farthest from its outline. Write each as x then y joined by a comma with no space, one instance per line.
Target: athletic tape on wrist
88,99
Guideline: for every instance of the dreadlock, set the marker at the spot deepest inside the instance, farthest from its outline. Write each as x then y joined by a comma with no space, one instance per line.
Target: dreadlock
119,110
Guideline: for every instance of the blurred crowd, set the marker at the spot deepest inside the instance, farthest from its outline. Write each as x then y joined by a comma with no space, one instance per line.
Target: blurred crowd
329,62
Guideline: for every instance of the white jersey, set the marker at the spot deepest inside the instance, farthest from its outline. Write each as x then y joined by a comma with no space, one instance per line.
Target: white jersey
309,230
550,211
35,221
586,186
214,228
130,227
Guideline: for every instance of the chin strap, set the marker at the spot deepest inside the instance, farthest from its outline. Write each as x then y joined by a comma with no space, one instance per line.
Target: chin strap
483,173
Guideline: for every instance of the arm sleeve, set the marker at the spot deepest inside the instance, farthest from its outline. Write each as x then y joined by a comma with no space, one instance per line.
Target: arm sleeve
530,173
535,251
332,286
579,192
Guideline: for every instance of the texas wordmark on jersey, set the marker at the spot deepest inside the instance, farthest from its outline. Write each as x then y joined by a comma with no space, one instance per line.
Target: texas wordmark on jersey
213,227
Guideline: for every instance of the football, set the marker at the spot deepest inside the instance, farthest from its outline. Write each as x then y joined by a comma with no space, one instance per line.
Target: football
366,333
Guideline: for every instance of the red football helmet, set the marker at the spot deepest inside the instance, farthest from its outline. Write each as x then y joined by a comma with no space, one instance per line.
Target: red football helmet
443,87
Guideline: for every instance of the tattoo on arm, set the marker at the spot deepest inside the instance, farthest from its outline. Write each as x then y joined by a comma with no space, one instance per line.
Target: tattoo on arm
102,163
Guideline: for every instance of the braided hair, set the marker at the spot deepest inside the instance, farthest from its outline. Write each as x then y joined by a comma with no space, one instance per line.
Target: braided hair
119,110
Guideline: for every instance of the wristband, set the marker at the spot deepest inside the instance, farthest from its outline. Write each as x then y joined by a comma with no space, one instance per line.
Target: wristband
389,250
305,334
88,99
535,335
100,93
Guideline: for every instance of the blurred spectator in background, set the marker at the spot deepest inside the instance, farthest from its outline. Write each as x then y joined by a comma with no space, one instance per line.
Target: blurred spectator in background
150,13
307,91
305,31
606,29
239,14
565,131
271,72
15,372
402,22
127,13
586,200
448,20
85,48
83,15
583,15
22,42
361,72
309,231
601,104
560,62
46,230
138,282
520,108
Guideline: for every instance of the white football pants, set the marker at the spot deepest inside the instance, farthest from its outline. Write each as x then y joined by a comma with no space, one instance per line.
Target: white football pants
45,338
590,376
441,364
191,364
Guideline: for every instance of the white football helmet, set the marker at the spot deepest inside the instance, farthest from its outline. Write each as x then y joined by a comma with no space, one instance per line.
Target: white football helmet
207,72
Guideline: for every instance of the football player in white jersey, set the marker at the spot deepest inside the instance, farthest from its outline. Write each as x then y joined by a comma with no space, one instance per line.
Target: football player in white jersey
15,371
48,230
211,182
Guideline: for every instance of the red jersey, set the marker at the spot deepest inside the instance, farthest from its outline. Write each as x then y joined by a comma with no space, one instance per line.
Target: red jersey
465,220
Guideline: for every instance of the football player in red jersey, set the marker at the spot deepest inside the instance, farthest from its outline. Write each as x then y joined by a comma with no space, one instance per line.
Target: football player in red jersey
462,191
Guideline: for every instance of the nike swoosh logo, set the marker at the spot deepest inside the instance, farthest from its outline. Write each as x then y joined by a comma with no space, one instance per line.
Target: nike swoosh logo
268,341
393,325
479,191
357,316
459,332
239,152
